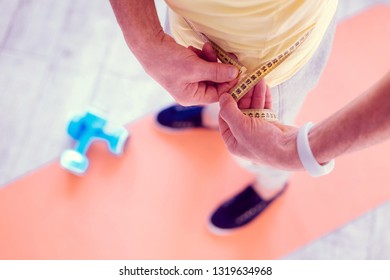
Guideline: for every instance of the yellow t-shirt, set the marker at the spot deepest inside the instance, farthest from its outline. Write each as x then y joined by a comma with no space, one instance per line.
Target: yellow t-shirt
255,30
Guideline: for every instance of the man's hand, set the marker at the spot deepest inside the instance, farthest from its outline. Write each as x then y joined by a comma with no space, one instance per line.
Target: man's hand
189,78
187,74
263,142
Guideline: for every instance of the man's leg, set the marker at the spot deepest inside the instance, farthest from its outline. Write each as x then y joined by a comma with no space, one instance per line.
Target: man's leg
287,99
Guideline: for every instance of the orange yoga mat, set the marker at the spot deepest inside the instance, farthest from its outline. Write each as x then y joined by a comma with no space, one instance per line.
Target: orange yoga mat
154,202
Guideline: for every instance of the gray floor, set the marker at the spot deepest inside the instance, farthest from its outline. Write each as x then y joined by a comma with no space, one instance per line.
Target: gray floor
59,57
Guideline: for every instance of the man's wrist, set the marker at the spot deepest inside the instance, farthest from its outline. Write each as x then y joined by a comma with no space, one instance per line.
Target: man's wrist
139,23
289,150
309,162
320,144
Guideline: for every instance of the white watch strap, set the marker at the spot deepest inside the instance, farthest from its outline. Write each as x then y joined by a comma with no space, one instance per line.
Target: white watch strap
306,155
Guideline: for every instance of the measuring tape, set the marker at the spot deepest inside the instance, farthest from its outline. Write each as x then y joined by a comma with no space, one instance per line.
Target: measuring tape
265,114
248,81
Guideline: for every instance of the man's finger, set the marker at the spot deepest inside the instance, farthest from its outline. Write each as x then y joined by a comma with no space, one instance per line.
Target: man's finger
268,99
198,52
225,87
227,135
204,92
258,97
209,52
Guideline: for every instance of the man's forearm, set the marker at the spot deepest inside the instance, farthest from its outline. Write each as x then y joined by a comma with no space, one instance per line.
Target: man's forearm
139,23
363,122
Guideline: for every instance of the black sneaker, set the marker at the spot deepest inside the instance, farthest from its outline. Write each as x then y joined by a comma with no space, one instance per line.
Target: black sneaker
239,211
179,117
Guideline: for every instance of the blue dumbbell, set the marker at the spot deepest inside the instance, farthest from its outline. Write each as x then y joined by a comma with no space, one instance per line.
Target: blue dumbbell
85,129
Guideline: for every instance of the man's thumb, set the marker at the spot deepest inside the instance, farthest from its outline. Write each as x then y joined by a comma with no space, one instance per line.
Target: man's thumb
217,72
229,110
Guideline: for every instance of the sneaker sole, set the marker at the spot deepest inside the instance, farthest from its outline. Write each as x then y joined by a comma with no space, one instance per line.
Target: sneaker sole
220,231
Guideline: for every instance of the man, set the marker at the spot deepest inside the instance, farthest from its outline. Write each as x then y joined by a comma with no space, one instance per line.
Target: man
255,31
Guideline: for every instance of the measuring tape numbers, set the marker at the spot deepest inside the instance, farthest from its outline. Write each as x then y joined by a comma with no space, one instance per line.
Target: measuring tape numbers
265,114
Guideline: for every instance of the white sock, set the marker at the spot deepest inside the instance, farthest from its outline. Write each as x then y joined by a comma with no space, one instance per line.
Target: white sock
210,114
269,181
267,193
